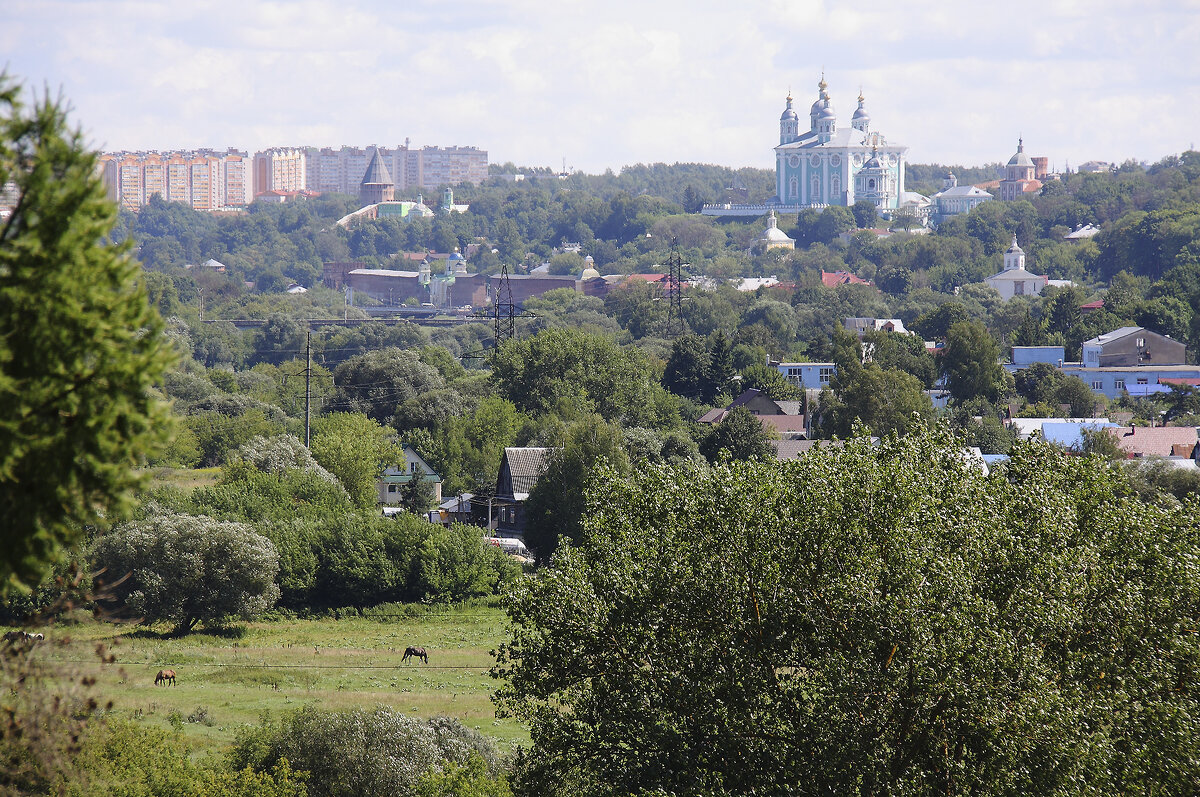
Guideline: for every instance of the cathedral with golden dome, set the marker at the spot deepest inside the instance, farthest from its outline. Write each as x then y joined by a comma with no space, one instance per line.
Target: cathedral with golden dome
831,164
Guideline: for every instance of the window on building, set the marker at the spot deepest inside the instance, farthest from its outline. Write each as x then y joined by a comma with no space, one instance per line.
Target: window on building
1097,384
1143,380
825,375
413,467
1018,288
392,488
1119,384
1141,343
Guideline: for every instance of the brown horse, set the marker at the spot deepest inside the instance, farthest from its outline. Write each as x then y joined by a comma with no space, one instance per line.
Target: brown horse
416,653
165,677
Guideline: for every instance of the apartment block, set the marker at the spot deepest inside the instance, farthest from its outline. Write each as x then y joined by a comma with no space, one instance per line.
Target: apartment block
341,170
205,179
280,169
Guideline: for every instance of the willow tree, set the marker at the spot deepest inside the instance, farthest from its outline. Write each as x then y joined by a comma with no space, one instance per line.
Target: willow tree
80,347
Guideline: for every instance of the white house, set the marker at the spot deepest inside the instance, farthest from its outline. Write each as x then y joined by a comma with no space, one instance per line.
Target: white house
395,476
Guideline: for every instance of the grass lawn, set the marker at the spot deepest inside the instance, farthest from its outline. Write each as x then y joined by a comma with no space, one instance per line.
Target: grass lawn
227,681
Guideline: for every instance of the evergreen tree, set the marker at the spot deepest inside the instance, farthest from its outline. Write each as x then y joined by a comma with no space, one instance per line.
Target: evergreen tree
80,347
720,367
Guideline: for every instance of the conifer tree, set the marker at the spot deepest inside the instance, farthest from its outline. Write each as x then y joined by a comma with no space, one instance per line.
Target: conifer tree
80,347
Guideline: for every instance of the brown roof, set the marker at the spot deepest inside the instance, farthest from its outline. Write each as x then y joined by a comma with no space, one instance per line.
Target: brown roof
831,279
1142,441
783,423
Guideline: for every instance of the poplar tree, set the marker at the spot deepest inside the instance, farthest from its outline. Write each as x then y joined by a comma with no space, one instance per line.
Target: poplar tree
80,347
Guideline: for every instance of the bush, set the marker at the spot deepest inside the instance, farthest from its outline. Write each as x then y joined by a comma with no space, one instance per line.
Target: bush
134,761
186,570
361,752
455,564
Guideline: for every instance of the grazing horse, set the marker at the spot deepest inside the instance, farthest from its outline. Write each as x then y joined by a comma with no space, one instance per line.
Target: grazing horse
165,677
416,653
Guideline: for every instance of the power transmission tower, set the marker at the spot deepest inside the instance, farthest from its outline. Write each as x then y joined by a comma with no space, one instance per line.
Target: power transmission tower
308,389
505,312
676,325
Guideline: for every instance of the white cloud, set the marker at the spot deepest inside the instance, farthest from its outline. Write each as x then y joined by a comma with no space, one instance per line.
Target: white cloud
608,83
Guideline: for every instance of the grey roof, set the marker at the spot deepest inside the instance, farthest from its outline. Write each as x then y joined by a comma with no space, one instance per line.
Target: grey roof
1019,157
386,272
377,173
794,449
520,469
1109,337
459,503
789,407
518,277
1086,231
962,190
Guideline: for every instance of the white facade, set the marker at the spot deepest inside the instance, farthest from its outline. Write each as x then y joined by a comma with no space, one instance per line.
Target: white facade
1015,280
833,165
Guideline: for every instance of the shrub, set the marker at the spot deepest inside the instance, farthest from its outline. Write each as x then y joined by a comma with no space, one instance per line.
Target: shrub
361,752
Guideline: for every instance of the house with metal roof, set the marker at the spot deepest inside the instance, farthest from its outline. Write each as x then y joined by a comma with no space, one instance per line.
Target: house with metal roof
1132,346
503,513
782,417
391,484
1157,441
954,199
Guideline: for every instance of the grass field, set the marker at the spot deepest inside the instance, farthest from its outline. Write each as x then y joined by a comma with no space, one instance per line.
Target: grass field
227,681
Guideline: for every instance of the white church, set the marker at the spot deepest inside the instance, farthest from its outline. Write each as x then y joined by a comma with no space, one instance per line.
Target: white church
830,164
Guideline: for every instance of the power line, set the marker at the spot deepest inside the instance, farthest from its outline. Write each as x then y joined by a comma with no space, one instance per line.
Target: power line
274,666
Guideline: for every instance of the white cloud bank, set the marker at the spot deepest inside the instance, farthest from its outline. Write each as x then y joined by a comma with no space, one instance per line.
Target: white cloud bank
605,83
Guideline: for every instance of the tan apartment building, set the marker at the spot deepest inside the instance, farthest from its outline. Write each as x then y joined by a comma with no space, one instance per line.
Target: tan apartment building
204,179
279,169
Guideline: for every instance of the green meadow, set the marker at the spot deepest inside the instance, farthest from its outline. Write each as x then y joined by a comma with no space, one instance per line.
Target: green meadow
228,679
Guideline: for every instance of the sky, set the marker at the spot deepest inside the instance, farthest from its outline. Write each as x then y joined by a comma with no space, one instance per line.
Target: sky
600,84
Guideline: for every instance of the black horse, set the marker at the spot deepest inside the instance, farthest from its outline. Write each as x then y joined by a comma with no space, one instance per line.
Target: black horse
415,653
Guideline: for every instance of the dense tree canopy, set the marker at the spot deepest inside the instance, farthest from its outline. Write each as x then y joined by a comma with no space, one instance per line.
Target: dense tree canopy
871,620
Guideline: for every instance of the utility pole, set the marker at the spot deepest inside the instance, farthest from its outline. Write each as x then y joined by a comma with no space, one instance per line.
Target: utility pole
307,386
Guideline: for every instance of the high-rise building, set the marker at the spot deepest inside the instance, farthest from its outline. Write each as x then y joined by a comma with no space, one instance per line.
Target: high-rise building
279,169
204,179
341,170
